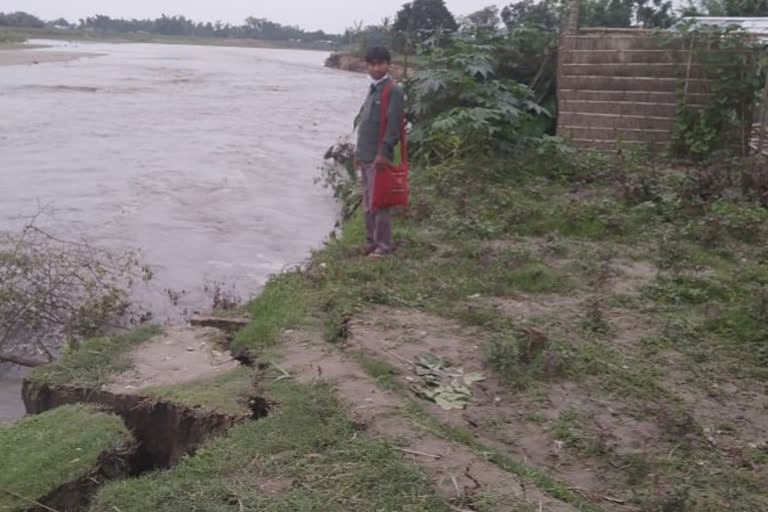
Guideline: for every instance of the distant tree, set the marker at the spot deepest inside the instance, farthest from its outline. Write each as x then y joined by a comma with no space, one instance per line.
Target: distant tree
654,13
544,14
487,17
61,22
20,19
423,18
607,13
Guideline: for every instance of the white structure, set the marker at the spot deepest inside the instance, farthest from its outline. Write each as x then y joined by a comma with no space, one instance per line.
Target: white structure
753,25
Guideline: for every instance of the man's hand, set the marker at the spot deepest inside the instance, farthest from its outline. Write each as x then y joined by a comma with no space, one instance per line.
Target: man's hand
381,161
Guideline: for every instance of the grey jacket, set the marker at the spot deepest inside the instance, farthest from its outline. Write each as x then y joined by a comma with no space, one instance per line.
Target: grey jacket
368,123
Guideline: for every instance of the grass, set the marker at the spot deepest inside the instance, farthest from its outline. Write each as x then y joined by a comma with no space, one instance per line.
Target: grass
227,393
282,305
700,319
93,361
305,456
41,453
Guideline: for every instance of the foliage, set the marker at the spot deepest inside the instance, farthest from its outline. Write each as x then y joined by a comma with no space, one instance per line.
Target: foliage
460,105
487,18
53,289
551,14
20,19
338,173
424,19
735,61
545,15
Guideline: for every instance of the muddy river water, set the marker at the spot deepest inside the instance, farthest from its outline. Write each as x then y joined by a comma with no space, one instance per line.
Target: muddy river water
202,157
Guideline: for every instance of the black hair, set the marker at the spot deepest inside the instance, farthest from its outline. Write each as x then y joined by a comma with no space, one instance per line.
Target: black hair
378,54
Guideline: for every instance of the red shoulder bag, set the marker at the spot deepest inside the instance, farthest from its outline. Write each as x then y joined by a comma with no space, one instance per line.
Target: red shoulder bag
390,185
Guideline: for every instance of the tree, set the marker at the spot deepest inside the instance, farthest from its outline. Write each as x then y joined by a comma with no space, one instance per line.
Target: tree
484,18
544,14
424,18
654,13
20,19
607,13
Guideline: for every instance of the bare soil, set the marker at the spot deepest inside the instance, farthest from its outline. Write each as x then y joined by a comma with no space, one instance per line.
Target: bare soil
179,354
459,474
615,429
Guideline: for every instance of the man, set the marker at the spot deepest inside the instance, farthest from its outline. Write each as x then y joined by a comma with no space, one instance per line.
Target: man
373,151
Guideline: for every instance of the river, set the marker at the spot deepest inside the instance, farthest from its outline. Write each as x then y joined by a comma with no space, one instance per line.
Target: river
202,157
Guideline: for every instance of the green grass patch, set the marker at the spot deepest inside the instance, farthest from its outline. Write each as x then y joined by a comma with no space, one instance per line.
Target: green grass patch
227,393
90,363
306,456
40,453
570,428
281,305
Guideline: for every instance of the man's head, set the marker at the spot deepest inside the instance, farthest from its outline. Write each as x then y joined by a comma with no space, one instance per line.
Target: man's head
378,60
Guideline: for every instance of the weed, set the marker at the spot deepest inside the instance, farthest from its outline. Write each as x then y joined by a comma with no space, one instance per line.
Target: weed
639,468
594,320
571,430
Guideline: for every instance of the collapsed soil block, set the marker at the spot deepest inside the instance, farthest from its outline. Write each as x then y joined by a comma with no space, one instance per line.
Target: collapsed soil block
59,459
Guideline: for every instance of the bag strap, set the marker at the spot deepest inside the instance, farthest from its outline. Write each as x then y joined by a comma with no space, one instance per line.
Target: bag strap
383,123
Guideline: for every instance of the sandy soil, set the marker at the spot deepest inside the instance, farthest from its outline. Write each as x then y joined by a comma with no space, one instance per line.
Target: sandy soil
180,354
19,56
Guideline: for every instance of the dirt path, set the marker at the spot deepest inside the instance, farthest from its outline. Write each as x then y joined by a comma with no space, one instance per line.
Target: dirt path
461,476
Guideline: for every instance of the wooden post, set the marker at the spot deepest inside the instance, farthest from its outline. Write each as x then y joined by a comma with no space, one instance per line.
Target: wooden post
688,70
573,17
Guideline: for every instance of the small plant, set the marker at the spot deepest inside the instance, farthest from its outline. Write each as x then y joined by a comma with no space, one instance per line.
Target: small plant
514,354
594,319
570,429
338,173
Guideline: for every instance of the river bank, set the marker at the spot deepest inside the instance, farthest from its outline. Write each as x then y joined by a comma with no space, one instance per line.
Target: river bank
352,61
512,355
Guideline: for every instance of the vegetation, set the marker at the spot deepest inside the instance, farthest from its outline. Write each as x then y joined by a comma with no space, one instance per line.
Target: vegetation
736,62
175,26
91,362
616,305
305,456
41,453
53,290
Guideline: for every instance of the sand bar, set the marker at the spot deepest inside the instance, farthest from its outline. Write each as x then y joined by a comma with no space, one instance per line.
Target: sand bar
19,55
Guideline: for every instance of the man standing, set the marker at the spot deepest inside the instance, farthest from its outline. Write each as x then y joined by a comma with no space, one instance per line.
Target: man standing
374,151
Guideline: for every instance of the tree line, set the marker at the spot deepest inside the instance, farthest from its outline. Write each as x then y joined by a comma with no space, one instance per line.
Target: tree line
418,21
255,28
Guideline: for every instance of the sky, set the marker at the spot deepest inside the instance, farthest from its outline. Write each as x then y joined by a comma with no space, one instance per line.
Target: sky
329,15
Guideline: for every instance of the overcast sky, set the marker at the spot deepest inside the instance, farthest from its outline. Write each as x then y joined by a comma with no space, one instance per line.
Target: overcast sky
329,15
